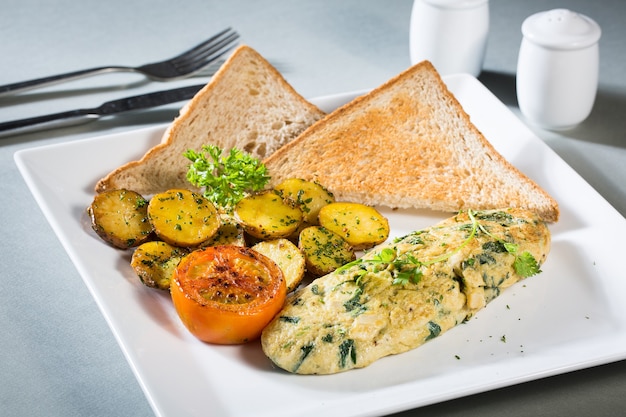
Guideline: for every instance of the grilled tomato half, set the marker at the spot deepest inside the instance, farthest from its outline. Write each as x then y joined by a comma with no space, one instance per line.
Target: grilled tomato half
227,294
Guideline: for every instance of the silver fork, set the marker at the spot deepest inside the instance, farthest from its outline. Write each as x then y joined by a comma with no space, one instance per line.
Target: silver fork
181,66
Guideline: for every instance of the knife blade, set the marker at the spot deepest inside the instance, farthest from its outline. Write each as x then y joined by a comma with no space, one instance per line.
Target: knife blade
79,116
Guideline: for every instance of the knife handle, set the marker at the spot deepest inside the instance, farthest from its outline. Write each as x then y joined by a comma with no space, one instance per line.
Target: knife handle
35,124
79,116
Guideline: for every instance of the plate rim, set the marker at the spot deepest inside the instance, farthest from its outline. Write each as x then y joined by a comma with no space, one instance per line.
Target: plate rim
28,172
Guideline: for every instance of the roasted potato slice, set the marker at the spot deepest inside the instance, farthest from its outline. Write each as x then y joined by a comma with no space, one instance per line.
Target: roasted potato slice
120,218
183,217
361,226
267,215
309,195
154,263
287,256
324,251
229,233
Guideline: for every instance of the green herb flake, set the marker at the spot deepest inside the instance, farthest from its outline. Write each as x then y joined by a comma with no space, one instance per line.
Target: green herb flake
304,352
347,351
289,319
434,329
354,305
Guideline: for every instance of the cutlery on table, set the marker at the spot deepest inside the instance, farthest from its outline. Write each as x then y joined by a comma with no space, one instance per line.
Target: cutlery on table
79,116
181,66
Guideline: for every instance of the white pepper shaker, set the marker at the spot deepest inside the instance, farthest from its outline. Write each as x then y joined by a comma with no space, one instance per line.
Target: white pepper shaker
452,34
557,68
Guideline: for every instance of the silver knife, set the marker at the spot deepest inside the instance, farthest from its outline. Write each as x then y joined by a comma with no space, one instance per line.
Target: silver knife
74,117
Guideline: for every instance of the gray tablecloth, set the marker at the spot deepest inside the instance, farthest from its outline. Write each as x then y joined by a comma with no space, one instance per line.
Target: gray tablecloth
59,357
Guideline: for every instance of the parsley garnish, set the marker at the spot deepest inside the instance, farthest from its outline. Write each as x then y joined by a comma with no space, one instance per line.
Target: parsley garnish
526,265
404,268
225,179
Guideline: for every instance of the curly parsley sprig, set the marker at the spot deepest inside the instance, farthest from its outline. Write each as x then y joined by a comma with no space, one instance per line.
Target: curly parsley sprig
225,179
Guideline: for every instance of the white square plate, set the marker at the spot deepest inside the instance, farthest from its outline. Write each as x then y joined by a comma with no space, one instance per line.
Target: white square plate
571,316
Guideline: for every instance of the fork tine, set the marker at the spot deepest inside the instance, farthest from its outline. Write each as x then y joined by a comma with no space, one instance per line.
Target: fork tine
191,68
207,43
207,56
206,48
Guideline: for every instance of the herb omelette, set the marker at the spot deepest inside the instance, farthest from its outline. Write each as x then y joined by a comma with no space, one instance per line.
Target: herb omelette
404,293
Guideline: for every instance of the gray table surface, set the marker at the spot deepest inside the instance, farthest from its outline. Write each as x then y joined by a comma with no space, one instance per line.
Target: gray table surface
59,358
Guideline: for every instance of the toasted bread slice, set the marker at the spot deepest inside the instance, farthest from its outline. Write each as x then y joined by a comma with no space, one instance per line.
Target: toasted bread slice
409,143
247,104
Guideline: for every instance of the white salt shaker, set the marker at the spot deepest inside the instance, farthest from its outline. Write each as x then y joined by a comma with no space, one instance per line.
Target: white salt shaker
557,68
452,34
